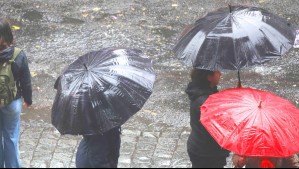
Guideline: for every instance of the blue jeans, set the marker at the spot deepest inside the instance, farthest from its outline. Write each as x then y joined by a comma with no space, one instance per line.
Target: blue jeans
10,132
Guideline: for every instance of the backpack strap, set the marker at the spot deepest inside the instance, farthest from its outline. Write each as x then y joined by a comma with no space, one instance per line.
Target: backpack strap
16,52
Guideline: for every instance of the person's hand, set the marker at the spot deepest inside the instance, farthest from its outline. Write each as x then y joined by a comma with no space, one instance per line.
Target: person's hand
238,161
26,105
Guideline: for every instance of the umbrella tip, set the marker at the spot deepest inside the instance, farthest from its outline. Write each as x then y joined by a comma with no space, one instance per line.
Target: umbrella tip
260,105
85,66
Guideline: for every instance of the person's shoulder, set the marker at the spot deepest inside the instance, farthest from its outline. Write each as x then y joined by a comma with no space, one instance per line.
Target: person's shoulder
21,59
21,55
201,99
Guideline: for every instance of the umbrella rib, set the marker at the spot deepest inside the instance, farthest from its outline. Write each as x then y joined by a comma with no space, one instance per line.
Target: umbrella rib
258,28
233,133
268,119
123,84
134,71
279,39
264,23
277,127
217,21
250,41
234,46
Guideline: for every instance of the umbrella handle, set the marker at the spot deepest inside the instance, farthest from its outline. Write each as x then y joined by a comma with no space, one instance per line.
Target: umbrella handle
239,80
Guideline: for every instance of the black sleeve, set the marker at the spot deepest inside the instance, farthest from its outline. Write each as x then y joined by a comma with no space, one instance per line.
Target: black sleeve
57,82
25,80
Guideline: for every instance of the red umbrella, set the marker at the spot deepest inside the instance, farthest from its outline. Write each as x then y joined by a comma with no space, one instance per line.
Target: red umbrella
252,122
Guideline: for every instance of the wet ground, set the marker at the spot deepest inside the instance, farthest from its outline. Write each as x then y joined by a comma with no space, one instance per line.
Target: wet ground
55,33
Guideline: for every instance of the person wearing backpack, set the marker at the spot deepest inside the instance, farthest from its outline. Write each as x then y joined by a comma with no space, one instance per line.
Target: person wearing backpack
15,83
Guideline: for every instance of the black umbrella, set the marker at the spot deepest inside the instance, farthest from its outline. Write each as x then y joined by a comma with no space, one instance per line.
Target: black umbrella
102,90
234,37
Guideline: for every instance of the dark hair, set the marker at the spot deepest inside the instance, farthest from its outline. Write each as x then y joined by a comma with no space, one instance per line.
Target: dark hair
200,77
5,31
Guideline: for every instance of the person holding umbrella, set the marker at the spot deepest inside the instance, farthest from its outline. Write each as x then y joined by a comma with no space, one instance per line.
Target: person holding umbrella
99,151
96,95
203,150
232,38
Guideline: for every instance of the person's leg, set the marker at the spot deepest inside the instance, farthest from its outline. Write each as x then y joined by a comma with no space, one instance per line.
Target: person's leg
207,162
199,162
82,155
1,141
115,142
11,133
216,162
98,150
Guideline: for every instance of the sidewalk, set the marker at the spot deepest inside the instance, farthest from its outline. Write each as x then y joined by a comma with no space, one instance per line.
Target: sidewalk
42,146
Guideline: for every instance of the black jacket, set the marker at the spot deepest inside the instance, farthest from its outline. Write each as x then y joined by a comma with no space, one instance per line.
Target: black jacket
21,74
200,142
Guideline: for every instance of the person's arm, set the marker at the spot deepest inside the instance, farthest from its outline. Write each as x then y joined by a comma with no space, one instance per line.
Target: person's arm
25,81
238,161
57,82
291,162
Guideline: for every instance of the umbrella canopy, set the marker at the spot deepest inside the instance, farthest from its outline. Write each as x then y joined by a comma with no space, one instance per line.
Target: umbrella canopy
233,38
102,90
252,122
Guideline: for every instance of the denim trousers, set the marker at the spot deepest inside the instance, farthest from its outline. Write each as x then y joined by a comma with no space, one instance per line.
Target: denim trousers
99,151
10,132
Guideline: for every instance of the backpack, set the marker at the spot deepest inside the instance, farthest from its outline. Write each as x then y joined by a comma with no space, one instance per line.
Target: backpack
8,88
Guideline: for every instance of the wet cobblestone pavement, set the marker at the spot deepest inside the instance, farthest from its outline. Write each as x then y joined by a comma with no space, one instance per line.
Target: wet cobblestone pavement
42,146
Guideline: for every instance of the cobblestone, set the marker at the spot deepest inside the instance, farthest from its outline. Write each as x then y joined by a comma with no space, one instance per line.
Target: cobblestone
41,146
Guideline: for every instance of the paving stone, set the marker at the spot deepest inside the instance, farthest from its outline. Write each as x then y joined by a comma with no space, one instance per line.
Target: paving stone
58,164
161,162
127,151
126,132
181,164
139,159
73,165
67,156
31,135
25,163
39,164
141,165
148,140
124,165
175,135
151,134
185,135
145,147
163,154
43,147
167,141
129,139
48,142
125,159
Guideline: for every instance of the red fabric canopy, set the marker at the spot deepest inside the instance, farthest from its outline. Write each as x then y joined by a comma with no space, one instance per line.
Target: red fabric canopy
252,122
